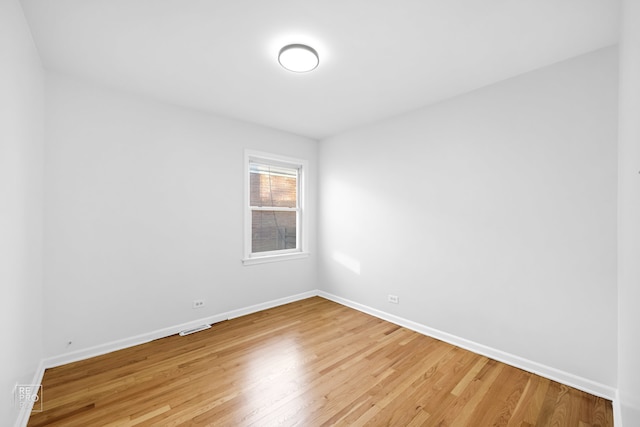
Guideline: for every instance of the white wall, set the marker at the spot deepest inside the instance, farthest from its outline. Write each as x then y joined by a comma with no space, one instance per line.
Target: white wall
492,216
629,215
21,194
144,214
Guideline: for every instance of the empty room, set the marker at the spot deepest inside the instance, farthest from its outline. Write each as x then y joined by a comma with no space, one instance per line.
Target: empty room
250,213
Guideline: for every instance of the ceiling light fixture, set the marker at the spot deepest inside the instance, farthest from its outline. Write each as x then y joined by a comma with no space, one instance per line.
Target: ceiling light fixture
298,58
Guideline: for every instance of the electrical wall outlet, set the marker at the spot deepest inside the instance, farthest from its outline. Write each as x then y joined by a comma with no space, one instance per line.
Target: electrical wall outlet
394,299
198,303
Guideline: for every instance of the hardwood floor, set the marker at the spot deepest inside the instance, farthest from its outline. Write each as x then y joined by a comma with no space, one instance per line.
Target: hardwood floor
309,363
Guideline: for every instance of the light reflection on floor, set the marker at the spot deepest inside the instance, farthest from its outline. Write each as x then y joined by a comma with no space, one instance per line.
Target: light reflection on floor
274,378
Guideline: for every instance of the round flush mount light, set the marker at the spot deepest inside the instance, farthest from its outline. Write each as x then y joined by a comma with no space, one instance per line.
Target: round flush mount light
298,58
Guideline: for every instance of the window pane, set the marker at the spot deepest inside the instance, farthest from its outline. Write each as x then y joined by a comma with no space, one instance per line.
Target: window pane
273,186
272,231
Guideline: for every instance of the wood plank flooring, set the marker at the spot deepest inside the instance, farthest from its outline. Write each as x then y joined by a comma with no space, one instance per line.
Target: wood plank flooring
308,363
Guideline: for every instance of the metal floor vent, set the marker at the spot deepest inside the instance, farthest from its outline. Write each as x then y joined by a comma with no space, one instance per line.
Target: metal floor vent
194,330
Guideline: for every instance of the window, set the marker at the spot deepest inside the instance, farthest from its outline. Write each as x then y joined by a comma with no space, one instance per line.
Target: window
274,212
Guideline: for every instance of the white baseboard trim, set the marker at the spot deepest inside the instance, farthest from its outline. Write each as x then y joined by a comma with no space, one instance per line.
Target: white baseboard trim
554,374
25,412
629,405
548,372
109,347
617,410
270,304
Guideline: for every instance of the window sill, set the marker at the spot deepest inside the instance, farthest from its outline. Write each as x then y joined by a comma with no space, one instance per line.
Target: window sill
274,258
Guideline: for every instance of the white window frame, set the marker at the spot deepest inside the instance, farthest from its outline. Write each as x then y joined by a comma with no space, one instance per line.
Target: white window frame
301,250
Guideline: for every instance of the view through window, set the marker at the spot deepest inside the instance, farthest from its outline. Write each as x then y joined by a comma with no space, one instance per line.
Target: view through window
274,205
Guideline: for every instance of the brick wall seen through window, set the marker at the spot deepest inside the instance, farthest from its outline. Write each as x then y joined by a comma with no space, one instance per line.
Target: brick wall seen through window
274,191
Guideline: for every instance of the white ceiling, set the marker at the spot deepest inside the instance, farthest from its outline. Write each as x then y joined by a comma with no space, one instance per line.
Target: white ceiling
378,58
